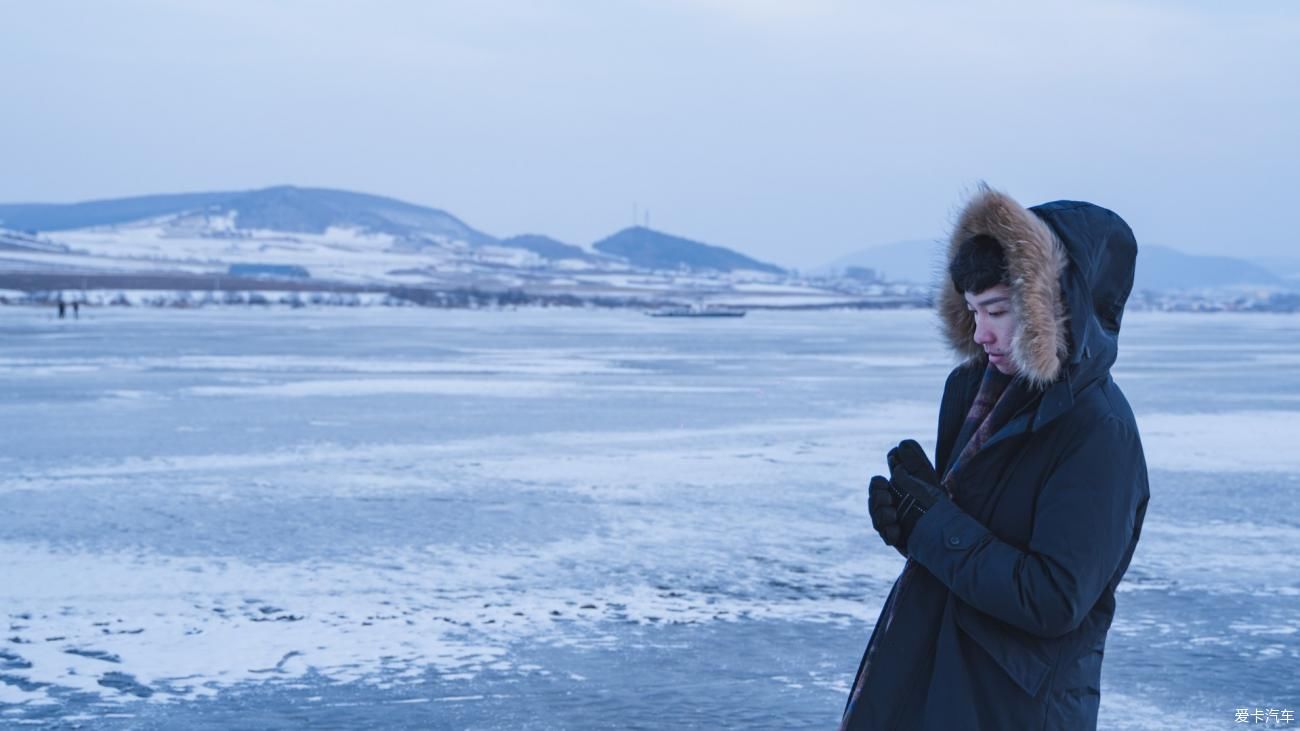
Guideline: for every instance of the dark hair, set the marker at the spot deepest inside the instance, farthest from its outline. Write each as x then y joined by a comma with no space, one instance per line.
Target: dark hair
979,264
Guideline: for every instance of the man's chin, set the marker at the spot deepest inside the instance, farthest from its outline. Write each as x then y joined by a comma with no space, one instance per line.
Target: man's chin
1006,368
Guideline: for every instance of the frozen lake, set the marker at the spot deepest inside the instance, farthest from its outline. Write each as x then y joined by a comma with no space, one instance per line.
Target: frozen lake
563,519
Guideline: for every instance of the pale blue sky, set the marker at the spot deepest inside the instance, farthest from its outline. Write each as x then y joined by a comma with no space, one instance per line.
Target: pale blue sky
793,131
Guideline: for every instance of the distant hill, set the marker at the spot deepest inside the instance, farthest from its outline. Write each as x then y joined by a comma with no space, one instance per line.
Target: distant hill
915,260
19,241
547,247
296,210
1286,267
1162,268
329,233
66,216
650,249
281,208
1159,268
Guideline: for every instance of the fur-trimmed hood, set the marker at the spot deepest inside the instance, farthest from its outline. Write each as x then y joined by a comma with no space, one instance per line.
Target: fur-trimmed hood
1071,269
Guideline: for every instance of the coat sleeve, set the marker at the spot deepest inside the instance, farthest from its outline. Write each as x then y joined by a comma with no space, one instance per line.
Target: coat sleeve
1083,528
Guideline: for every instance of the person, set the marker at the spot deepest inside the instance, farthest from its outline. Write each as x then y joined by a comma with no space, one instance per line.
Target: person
1017,535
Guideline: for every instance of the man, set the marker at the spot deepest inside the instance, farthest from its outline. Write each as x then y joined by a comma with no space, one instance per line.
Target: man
1018,534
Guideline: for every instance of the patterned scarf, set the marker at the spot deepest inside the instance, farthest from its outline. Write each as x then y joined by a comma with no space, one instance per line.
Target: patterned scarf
993,407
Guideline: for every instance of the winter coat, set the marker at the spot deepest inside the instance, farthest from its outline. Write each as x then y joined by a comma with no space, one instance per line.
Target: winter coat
999,618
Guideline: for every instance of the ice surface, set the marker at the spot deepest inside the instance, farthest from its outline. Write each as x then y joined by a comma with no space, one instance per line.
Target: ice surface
1225,441
468,512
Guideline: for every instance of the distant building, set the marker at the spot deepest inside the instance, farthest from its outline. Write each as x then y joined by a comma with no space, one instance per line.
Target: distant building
862,274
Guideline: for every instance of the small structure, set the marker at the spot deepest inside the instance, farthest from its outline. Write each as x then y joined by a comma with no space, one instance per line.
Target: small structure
697,310
278,271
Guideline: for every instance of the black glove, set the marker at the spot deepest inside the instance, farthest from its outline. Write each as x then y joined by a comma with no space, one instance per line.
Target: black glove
884,515
914,485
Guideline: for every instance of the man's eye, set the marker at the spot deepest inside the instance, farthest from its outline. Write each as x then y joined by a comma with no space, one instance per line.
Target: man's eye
999,313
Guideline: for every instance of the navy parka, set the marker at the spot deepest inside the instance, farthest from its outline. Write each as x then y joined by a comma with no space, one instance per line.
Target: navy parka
999,618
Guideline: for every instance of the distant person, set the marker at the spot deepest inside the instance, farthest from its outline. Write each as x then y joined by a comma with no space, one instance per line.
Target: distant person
1019,533
76,310
63,308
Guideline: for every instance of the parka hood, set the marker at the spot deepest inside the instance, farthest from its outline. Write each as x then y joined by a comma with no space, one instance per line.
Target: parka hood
1071,268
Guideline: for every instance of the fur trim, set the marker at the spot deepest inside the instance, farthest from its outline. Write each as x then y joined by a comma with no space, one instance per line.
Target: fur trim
1035,261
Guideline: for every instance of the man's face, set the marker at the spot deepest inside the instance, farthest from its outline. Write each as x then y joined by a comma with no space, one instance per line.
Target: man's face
995,322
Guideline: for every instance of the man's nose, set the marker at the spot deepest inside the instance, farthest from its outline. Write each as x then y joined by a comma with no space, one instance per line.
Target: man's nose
983,335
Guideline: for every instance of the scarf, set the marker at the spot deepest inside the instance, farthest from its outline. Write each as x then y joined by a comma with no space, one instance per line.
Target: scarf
998,399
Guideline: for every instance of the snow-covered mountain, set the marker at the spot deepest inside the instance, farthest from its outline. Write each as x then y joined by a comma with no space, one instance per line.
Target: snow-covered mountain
335,235
333,238
283,208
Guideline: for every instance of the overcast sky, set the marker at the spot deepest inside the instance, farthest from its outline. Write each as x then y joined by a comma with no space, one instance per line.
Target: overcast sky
792,131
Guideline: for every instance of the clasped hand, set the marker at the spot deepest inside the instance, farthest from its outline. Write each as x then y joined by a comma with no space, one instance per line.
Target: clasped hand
898,502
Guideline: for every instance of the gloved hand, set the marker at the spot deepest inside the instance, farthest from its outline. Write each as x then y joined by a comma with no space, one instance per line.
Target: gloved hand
884,515
914,485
